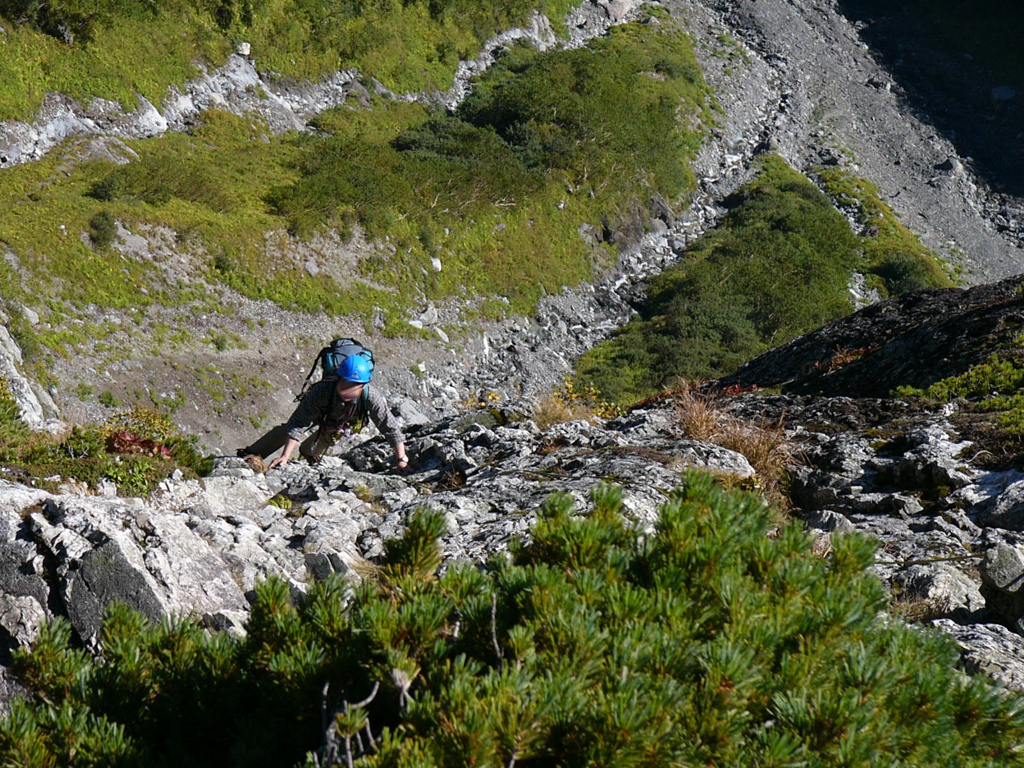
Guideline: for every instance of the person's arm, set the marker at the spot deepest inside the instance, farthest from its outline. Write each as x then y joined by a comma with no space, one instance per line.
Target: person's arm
401,457
388,424
286,454
309,411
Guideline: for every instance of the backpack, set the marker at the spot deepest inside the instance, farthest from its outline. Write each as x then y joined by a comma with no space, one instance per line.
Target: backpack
329,358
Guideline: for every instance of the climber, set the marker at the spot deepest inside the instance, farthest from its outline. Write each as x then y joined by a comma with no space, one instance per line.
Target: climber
333,405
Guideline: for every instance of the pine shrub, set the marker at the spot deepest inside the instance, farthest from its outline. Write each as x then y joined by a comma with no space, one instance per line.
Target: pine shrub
102,229
700,642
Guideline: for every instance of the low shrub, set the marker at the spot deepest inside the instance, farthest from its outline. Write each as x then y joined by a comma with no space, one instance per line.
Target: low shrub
102,229
895,260
135,449
776,267
546,143
702,642
902,272
1000,375
993,387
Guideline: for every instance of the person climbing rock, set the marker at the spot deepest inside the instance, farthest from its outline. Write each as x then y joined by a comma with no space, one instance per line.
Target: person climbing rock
334,405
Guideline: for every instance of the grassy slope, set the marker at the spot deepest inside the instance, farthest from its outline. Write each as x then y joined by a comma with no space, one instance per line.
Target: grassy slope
776,267
549,144
497,192
121,49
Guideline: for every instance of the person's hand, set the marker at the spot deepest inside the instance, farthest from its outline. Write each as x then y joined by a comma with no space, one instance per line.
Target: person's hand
280,461
402,462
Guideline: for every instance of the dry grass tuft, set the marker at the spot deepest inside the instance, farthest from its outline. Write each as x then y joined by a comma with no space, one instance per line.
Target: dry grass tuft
364,493
554,410
698,415
919,610
256,463
767,449
764,444
571,402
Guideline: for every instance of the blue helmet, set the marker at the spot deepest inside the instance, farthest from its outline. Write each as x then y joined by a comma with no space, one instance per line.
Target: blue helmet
355,368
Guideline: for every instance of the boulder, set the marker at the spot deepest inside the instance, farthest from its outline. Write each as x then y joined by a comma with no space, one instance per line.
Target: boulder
988,649
1007,510
103,576
943,590
1002,576
933,461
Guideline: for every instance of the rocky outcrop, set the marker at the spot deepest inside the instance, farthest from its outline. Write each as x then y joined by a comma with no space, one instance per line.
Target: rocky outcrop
884,468
35,406
198,547
913,340
948,530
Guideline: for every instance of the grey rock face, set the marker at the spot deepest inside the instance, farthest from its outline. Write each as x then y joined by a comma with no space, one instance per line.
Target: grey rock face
912,340
106,575
1006,510
944,589
902,478
1002,576
199,547
35,405
989,649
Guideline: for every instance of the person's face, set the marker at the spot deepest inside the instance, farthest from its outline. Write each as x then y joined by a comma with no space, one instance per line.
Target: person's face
349,390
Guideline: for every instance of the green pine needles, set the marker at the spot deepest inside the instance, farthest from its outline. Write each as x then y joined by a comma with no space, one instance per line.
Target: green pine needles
705,641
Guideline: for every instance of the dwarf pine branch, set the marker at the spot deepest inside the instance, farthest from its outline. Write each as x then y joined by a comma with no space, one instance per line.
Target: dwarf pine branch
701,641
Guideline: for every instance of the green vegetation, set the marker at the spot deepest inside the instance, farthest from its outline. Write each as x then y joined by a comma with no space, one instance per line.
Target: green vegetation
546,142
895,260
497,192
116,49
134,449
109,399
776,267
702,643
995,386
102,229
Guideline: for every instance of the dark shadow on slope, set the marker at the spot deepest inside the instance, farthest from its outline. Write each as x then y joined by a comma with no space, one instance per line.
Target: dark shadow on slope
914,340
962,65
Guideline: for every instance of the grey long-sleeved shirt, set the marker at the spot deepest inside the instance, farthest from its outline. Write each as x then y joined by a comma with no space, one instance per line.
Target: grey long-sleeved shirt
311,409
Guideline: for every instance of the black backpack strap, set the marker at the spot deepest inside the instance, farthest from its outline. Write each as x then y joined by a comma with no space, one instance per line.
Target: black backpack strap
364,404
362,410
305,384
330,407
